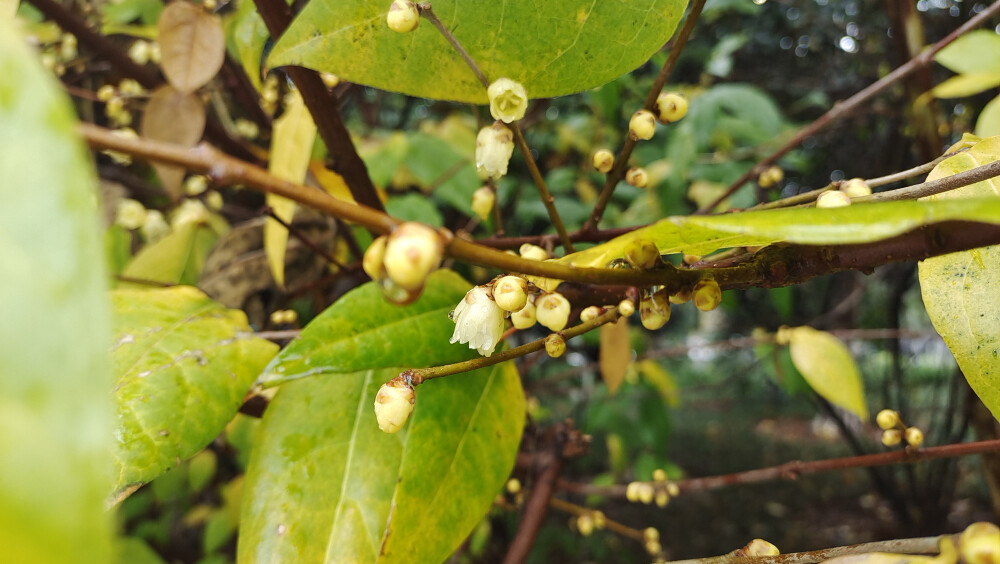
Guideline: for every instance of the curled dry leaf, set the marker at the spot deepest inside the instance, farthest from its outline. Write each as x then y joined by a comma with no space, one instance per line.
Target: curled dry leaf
174,117
192,45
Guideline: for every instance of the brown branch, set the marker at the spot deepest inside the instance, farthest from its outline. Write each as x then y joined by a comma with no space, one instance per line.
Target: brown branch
938,186
922,545
792,470
617,172
609,524
323,107
845,108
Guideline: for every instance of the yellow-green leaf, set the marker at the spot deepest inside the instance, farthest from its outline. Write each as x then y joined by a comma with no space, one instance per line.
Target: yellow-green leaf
615,354
976,51
988,122
967,84
291,147
828,367
961,290
175,259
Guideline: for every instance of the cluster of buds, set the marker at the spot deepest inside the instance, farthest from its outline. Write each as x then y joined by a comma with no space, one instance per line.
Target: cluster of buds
393,404
659,490
284,317
588,521
979,543
771,177
651,541
402,260
116,100
894,431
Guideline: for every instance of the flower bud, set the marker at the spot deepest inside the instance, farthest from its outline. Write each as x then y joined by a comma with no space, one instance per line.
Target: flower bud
524,318
131,214
673,489
681,297
891,437
637,176
585,524
482,202
552,311
706,294
105,93
662,498
887,419
759,547
393,404
653,547
914,437
555,345
195,185
654,311
494,147
139,52
509,293
659,475
671,106
590,313
374,257
508,100
650,534
403,16
642,125
646,493
626,308
533,252
155,227
329,79
604,160
642,253
632,491
412,251
771,177
513,486
855,188
131,87
833,199
599,519
980,543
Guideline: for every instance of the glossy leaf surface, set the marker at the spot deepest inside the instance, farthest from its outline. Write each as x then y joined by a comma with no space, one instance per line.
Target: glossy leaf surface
828,367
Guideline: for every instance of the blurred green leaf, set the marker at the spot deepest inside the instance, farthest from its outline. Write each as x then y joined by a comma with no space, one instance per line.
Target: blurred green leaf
961,290
132,550
975,51
246,36
967,84
325,485
988,123
201,470
828,367
553,48
175,259
414,207
55,413
183,364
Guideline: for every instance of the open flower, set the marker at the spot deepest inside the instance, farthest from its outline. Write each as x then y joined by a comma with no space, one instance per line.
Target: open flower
494,147
479,321
508,100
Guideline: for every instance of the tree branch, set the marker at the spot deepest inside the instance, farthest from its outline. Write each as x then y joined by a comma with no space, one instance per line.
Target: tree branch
923,545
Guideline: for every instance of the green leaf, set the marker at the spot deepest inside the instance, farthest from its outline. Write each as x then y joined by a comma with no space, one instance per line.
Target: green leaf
828,367
967,84
246,36
976,51
414,207
859,223
325,485
961,290
553,48
183,364
174,259
55,413
362,331
988,123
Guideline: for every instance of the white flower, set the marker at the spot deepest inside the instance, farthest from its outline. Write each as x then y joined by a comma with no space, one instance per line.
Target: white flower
479,321
494,147
393,405
508,100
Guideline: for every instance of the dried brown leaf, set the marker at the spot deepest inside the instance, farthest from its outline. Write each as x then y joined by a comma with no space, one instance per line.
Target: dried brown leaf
192,45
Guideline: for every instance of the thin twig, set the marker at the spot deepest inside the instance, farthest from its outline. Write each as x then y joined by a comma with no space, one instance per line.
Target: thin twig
923,545
617,172
958,180
298,234
845,108
609,524
543,191
428,12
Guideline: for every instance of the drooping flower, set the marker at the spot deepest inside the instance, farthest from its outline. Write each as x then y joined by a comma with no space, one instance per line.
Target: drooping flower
494,147
393,405
479,321
508,100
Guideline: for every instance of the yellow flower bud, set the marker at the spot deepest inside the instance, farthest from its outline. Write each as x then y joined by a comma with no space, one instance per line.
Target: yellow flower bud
632,491
494,147
771,177
393,405
626,308
513,486
131,87
642,253
374,257
891,437
659,475
662,498
195,185
509,293
980,543
706,294
139,52
650,534
508,100
555,345
646,493
855,188
887,419
131,214
673,489
654,311
482,202
403,16
599,519
681,297
604,160
412,251
642,125
585,524
155,227
533,252
637,176
833,199
760,547
524,318
914,437
653,547
552,311
590,313
106,93
671,106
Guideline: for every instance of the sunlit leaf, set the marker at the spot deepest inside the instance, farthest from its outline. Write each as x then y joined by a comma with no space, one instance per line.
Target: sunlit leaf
961,290
192,45
183,364
975,51
967,84
828,367
988,123
553,48
55,411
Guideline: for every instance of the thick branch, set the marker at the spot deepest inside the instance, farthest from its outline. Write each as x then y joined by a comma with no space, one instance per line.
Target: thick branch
922,545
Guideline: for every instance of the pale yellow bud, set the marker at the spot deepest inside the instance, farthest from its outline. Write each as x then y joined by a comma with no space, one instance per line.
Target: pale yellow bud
662,498
513,486
373,258
650,534
524,318
771,177
654,311
891,437
412,252
552,311
980,544
329,79
510,293
642,253
403,16
642,125
760,547
706,294
590,313
508,100
393,405
681,297
637,176
131,214
646,493
131,87
604,160
155,227
855,188
673,489
887,419
632,492
659,475
195,185
106,93
914,437
671,106
599,519
533,252
139,52
67,47
653,547
555,345
585,524
482,202
214,201
626,308
247,129
494,147
833,199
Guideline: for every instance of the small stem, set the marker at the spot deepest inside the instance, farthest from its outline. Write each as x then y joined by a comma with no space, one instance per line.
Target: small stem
938,186
845,108
609,524
923,545
543,190
297,233
428,12
535,511
621,163
420,375
910,172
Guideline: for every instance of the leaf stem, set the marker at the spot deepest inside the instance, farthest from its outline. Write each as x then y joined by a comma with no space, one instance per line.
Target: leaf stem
617,172
611,525
428,12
